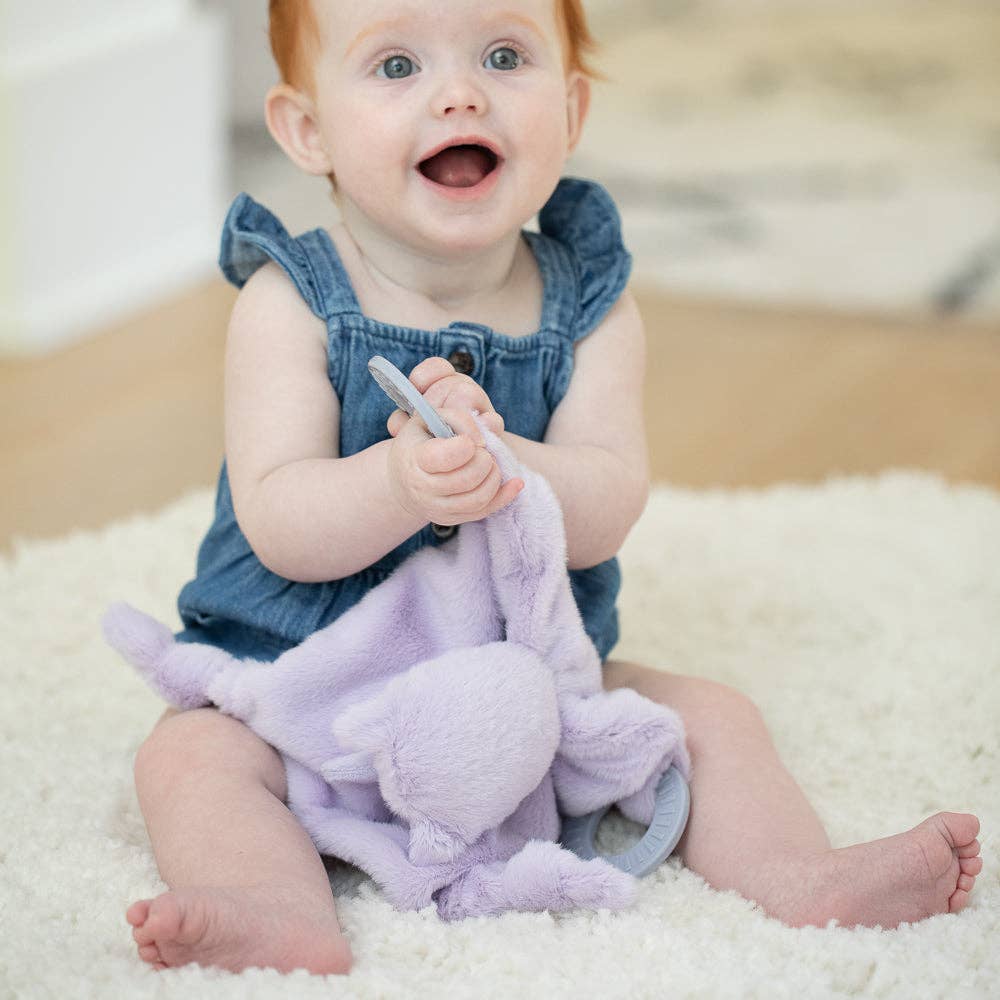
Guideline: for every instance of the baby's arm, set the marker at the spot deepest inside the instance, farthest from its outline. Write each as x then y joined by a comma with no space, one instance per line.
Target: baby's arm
309,514
594,452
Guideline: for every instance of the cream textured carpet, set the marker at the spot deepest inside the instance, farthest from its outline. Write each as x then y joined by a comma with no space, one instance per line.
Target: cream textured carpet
862,615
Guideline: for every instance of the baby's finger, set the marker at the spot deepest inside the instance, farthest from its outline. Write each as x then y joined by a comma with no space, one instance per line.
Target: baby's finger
460,482
470,503
429,371
446,454
481,501
493,421
505,495
461,421
458,391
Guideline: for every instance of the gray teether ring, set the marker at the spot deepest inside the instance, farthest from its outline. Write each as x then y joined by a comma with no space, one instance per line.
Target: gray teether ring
404,394
670,815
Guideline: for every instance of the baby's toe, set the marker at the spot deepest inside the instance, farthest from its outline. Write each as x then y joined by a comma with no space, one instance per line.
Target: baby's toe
970,866
136,914
143,934
966,882
958,901
969,850
150,953
963,827
164,918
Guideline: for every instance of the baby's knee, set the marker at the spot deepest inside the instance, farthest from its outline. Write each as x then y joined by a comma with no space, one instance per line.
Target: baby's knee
694,698
185,744
713,707
705,706
175,742
722,701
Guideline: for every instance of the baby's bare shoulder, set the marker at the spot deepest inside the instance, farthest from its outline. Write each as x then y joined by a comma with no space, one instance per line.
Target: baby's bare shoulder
270,308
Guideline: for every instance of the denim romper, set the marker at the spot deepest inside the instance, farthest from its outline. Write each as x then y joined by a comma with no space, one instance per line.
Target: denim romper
234,601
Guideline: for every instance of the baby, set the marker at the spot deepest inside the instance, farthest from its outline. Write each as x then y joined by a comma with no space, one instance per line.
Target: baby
444,127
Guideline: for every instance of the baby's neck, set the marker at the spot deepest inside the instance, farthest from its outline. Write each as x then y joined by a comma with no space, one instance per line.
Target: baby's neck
499,286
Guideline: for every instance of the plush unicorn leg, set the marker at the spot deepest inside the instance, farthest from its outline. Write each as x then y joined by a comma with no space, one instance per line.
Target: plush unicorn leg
542,876
180,673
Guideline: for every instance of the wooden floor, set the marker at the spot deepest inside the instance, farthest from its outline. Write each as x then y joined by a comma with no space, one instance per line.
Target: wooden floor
130,419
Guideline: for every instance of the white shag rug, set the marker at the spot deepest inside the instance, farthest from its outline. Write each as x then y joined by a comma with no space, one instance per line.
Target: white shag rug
862,615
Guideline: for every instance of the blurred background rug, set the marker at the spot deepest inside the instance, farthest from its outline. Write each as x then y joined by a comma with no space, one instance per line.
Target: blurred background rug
860,615
837,154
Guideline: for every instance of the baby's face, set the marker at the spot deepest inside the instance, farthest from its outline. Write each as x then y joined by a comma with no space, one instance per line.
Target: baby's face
446,123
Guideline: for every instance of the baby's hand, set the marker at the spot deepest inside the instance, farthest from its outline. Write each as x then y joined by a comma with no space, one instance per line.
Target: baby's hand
446,480
438,382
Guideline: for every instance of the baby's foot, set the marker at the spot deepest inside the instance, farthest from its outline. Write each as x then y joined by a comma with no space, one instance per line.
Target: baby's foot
235,929
927,870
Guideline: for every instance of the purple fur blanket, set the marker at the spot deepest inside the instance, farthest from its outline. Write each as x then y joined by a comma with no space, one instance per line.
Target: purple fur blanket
433,734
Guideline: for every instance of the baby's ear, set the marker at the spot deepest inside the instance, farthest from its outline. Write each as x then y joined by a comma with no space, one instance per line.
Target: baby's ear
577,106
291,120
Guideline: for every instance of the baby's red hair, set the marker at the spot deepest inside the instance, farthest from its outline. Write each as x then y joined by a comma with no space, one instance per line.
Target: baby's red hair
295,36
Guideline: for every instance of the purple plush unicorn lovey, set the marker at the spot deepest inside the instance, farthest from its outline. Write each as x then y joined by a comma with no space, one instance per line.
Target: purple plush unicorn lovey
433,734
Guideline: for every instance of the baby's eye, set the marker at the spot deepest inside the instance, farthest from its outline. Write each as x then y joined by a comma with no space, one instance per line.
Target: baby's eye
397,68
503,58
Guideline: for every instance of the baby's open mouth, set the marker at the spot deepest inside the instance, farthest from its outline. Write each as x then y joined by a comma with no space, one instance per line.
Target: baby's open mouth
459,166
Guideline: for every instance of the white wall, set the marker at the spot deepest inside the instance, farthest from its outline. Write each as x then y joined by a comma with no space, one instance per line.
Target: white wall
34,26
253,70
113,134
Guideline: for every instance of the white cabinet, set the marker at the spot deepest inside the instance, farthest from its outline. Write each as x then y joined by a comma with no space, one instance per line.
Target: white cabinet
113,131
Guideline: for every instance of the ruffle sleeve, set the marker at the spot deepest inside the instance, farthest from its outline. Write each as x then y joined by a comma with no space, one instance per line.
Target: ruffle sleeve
251,236
581,216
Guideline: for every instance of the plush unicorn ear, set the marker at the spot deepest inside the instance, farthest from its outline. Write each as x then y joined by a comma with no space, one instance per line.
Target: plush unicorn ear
356,768
365,727
541,876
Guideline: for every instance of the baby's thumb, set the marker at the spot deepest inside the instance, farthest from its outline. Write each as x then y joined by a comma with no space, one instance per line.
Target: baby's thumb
396,422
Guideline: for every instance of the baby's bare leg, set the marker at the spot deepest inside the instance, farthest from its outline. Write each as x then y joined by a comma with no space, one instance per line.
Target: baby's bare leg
751,828
247,887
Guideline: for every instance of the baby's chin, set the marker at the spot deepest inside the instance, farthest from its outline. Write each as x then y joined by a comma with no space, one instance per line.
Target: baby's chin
442,227
457,243
469,228
457,239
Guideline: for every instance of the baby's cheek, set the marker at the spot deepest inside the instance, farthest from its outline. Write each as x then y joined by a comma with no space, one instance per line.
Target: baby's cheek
547,120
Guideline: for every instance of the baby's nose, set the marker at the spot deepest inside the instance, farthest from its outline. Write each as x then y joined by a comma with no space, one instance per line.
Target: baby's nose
459,94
